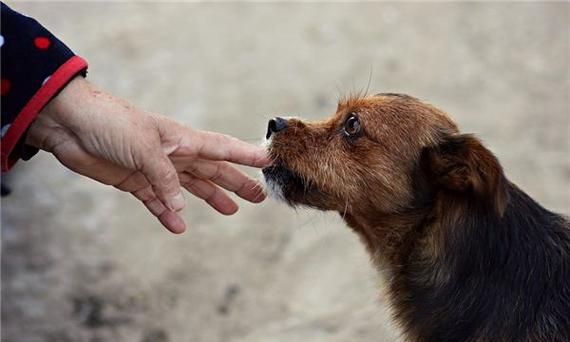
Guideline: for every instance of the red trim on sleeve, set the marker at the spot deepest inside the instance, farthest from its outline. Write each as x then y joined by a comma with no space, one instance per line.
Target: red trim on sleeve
29,112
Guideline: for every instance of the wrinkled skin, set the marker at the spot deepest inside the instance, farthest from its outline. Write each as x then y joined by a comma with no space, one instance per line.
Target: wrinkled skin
149,155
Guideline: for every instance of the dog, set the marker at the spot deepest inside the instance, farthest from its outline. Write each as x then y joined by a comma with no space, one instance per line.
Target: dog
466,254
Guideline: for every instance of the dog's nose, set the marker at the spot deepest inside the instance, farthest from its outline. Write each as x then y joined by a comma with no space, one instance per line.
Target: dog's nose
275,125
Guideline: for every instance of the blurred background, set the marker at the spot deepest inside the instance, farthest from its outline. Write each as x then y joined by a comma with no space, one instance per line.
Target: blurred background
83,262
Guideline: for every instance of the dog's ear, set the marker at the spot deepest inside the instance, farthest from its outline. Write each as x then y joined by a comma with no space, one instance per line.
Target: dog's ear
461,164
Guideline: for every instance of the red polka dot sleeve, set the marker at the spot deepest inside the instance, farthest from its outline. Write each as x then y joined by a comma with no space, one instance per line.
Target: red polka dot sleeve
35,67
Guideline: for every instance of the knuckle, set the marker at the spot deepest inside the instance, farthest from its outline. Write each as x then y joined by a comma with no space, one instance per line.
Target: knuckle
218,174
168,176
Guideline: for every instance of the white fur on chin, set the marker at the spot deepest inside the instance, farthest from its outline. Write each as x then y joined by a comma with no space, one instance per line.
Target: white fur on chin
272,188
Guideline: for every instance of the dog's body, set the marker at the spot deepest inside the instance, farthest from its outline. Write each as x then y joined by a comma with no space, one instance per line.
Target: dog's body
467,255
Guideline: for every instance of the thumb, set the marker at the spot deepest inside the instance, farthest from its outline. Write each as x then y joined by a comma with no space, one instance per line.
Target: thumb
163,178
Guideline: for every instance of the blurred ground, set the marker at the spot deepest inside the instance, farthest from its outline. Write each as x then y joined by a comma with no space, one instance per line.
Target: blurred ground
81,262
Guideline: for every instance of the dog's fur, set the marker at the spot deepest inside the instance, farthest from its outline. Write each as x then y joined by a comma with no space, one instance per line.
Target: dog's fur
468,256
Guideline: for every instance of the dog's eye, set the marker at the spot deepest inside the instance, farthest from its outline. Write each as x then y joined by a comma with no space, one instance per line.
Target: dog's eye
352,125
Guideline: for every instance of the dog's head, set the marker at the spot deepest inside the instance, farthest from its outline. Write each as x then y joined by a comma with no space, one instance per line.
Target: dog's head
377,152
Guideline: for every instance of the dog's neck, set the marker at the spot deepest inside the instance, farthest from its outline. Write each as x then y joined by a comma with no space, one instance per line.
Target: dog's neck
390,238
407,249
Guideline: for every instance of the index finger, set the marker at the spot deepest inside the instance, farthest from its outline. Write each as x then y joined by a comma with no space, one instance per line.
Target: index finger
217,146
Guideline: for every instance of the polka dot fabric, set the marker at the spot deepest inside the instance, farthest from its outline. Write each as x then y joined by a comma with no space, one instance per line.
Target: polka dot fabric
42,43
35,66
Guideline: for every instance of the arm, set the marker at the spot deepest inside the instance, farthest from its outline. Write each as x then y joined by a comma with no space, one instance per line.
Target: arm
46,105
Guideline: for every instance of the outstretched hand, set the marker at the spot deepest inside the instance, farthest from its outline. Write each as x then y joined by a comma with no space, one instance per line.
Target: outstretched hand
151,156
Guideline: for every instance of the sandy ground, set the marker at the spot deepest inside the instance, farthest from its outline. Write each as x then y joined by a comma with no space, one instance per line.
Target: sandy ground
82,262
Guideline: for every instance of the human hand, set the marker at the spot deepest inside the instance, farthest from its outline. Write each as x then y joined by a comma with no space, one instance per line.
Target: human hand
107,139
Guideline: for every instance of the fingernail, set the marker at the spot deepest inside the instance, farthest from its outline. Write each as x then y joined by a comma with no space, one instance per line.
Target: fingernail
177,202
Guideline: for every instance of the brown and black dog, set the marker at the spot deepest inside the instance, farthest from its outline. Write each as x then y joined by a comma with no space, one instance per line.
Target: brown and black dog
467,255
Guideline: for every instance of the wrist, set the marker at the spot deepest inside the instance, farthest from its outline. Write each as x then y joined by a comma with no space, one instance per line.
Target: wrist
66,107
60,113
